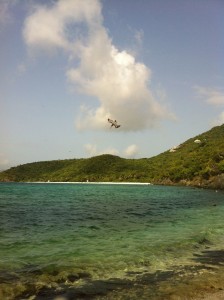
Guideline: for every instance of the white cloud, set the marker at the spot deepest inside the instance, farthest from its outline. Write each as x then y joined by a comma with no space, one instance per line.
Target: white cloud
139,35
47,26
101,70
212,96
4,162
5,12
91,149
219,120
131,151
215,97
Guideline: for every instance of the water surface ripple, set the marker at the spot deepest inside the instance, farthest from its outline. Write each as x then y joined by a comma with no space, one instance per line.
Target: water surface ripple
108,241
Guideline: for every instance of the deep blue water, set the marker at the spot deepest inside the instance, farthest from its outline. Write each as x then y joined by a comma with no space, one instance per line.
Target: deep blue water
79,234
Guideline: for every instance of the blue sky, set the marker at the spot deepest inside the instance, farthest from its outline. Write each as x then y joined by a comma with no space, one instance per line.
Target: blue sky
66,66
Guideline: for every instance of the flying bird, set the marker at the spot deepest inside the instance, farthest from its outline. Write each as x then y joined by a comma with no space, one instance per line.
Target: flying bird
114,123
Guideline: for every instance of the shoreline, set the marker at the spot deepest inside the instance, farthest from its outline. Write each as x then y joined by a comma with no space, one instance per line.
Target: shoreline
113,287
120,183
168,183
92,182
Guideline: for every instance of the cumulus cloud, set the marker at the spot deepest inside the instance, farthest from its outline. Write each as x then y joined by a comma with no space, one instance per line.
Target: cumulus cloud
139,34
212,96
4,162
131,151
215,97
219,120
5,12
102,71
47,26
92,150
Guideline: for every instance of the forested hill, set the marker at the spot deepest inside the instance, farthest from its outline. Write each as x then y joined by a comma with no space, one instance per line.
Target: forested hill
199,162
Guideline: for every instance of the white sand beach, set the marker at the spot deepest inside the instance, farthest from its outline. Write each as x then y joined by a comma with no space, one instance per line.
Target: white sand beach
93,182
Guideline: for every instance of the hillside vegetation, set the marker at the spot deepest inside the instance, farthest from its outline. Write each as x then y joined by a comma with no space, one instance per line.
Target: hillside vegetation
191,163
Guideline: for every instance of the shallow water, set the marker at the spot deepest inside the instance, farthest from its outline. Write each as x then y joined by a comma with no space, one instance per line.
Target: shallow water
107,241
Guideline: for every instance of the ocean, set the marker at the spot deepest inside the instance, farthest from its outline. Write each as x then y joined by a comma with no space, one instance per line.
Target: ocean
104,241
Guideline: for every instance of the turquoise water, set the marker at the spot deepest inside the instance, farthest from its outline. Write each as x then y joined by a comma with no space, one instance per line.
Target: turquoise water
85,240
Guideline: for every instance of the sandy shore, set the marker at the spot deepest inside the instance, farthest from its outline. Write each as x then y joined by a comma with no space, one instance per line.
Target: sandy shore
93,182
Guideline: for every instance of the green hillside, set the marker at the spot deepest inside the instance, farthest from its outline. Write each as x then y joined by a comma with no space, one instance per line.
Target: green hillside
191,163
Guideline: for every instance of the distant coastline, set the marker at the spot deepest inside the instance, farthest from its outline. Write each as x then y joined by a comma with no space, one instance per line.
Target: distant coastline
92,182
198,162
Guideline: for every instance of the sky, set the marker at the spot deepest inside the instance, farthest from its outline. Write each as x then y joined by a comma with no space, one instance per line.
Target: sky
66,66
